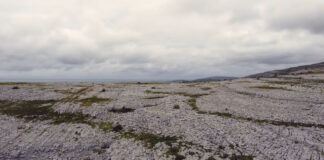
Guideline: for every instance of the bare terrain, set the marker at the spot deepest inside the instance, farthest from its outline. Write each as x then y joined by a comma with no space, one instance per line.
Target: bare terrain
266,118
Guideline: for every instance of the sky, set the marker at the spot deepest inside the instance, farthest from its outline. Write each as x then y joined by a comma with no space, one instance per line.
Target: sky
156,40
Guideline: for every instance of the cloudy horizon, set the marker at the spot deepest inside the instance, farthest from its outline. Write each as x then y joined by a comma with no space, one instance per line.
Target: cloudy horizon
157,40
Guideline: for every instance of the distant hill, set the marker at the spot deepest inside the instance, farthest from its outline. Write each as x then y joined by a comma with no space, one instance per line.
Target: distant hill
306,69
215,78
208,79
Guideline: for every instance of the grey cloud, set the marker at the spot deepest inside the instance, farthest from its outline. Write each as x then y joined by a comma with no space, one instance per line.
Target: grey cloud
273,57
312,22
156,39
299,15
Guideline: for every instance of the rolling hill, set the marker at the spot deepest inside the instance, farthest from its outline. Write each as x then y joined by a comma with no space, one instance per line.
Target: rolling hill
306,69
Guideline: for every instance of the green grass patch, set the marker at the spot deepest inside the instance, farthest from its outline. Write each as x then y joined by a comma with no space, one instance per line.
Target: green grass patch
156,97
192,85
192,102
284,82
99,151
149,105
156,92
241,157
174,151
190,95
205,88
176,93
211,158
38,110
105,126
267,87
149,139
28,110
87,102
221,114
14,83
64,91
108,127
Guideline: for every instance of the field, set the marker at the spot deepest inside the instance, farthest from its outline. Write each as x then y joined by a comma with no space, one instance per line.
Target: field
266,118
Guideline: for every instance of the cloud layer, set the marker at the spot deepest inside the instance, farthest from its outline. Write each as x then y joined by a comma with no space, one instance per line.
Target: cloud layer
162,39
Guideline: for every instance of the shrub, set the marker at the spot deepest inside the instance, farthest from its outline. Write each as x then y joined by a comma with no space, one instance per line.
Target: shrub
122,110
241,157
15,87
176,107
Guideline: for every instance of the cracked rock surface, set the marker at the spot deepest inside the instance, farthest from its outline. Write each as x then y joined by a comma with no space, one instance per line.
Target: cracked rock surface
277,118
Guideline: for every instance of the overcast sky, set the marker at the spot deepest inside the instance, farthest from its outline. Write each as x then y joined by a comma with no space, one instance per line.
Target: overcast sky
156,39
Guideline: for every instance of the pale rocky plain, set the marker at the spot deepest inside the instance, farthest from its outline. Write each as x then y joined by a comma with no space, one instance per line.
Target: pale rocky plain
266,118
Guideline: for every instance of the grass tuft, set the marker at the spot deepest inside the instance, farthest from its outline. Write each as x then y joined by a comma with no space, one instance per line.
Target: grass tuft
175,152
241,157
269,87
15,87
211,158
99,151
87,102
176,93
149,139
149,105
193,103
122,110
105,126
176,107
205,88
156,97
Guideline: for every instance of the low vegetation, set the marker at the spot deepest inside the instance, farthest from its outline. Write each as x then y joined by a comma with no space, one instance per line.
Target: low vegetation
269,87
13,83
205,88
193,103
241,157
156,97
87,102
99,151
211,158
41,111
176,93
174,151
284,82
176,107
64,91
149,105
105,126
121,110
15,87
150,140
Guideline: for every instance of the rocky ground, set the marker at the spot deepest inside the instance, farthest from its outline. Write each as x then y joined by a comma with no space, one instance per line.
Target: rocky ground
277,118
